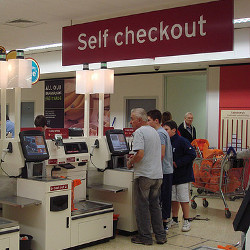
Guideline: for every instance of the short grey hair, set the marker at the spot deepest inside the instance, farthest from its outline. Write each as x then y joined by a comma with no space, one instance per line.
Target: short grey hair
140,113
188,113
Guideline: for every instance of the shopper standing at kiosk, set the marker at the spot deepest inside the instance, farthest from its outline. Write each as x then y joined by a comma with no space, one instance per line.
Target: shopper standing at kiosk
183,156
41,122
148,179
154,120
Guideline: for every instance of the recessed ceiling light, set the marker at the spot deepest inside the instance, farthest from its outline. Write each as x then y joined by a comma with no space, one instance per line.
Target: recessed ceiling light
22,23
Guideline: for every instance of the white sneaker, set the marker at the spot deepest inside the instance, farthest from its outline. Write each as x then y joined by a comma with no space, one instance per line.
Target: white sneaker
172,223
186,226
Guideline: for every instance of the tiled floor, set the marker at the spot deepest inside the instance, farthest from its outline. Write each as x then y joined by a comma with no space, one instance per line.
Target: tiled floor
218,230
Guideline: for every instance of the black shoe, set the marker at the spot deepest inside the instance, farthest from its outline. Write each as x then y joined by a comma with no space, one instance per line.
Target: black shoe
137,240
161,242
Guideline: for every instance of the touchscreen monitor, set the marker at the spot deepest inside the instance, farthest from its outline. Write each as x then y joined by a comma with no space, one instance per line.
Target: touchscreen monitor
34,145
117,142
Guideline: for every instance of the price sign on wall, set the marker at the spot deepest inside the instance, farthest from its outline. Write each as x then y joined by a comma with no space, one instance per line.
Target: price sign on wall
234,129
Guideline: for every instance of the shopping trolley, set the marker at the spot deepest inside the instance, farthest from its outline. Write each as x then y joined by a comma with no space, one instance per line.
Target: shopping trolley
219,175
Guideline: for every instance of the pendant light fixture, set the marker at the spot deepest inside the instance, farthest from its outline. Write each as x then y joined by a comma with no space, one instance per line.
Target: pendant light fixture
3,71
84,80
19,71
103,80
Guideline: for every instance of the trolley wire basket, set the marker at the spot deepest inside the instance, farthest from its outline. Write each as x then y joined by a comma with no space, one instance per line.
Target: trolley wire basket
219,176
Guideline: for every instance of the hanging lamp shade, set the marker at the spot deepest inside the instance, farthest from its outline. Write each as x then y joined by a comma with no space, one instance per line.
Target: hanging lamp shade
19,72
103,80
3,71
84,81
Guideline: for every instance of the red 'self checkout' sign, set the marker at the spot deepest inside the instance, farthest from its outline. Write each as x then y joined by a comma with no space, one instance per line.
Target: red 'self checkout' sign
200,28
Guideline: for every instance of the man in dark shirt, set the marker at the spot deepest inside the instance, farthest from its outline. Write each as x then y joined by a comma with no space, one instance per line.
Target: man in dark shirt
186,129
183,156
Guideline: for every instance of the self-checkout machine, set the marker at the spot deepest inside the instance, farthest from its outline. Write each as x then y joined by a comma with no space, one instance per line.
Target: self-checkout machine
9,229
42,204
116,186
9,234
16,73
111,183
118,171
29,203
53,223
90,221
68,157
109,179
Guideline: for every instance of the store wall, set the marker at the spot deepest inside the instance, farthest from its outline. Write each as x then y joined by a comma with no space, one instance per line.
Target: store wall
34,94
187,93
135,86
234,107
152,86
141,86
234,87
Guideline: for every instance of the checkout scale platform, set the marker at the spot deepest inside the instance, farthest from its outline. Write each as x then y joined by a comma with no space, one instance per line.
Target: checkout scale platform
9,234
43,209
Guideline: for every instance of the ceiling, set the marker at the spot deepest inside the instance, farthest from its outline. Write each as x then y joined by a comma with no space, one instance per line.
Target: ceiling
28,23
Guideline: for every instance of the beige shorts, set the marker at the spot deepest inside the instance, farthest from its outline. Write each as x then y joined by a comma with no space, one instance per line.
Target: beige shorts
180,192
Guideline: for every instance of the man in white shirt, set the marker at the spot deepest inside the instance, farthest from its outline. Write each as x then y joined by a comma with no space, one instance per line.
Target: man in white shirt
148,179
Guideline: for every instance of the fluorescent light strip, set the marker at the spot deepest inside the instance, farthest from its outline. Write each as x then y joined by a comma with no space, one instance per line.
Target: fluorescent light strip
55,45
242,20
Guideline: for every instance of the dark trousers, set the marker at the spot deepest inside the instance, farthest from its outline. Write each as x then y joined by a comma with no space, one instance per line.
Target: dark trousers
166,195
147,208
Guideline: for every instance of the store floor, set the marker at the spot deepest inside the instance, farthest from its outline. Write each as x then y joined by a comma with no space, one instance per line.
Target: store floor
218,230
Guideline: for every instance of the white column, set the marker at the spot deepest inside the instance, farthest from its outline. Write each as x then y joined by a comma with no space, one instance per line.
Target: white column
101,114
213,96
17,111
86,115
3,113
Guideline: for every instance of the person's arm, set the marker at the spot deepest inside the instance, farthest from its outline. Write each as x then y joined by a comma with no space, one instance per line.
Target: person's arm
194,134
135,158
163,144
180,130
188,156
163,149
